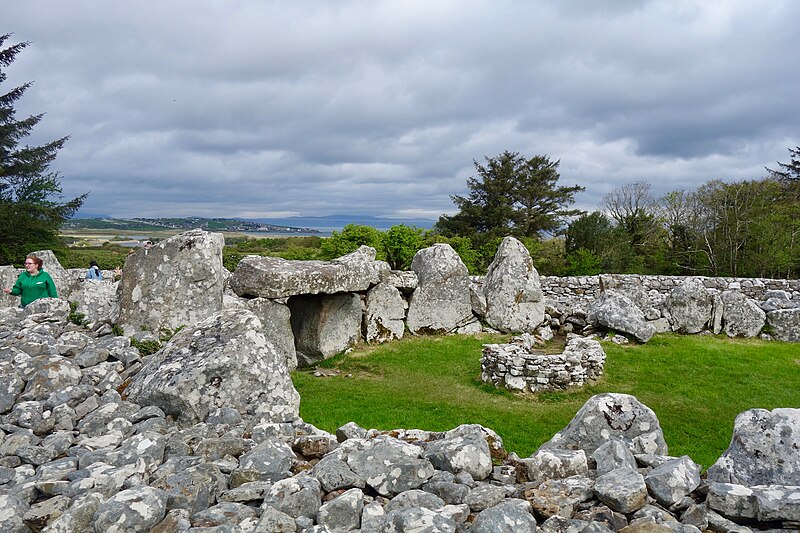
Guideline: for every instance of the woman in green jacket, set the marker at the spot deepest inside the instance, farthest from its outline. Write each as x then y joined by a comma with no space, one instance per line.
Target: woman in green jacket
34,283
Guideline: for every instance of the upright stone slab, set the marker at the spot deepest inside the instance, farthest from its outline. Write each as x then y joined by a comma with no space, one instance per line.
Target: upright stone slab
273,277
763,450
514,299
64,282
385,314
441,302
177,282
612,415
275,318
690,304
324,325
741,316
8,276
224,361
96,300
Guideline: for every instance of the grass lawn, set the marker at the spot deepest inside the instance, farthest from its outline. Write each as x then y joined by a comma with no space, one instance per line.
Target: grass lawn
695,384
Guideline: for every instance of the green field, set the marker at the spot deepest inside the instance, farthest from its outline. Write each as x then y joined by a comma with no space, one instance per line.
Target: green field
695,384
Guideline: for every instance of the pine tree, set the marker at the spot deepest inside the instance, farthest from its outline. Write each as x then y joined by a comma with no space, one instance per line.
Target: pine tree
31,210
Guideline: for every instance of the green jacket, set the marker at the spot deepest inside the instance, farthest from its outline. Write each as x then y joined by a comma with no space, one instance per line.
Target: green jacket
34,287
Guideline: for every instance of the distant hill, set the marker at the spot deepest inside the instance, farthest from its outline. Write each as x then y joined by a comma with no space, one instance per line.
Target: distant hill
185,223
339,221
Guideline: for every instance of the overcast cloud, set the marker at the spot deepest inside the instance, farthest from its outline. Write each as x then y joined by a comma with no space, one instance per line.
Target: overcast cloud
276,108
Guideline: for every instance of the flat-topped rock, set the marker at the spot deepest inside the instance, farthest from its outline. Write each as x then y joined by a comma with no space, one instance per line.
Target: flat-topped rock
273,277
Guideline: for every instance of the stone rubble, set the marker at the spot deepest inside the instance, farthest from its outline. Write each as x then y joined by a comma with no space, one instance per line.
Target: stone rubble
205,435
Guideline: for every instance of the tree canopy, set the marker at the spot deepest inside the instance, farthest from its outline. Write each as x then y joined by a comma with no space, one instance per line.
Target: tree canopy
31,210
511,195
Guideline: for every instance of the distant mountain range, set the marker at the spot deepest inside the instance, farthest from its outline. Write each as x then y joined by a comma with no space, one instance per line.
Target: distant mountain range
156,224
288,225
340,221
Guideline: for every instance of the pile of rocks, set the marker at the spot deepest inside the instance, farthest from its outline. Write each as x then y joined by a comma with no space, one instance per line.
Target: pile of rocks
520,366
205,436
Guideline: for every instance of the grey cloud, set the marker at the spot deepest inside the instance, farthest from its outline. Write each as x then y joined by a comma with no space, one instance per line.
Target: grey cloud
217,109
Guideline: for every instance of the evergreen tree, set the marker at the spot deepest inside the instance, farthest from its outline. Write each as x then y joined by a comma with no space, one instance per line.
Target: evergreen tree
30,208
511,195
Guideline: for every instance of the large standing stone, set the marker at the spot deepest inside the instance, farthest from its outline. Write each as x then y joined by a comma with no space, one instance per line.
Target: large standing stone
96,300
177,282
64,282
273,277
275,318
514,299
785,324
740,316
690,304
615,311
224,361
385,314
609,415
441,302
324,325
763,450
8,276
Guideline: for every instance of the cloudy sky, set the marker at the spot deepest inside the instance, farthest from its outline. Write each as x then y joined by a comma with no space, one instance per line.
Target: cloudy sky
244,108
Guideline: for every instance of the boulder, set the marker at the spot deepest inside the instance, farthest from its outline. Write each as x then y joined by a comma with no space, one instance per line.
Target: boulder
555,464
275,319
622,489
389,465
385,314
690,304
441,303
612,415
273,277
177,282
763,450
510,516
615,311
133,510
8,276
224,361
97,300
627,285
461,453
324,325
785,324
514,299
64,282
739,316
670,482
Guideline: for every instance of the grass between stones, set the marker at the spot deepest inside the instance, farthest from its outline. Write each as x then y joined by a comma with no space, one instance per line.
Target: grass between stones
695,384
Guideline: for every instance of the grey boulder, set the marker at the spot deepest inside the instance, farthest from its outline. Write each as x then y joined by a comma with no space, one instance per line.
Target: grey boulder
763,449
224,361
690,304
615,311
513,292
612,415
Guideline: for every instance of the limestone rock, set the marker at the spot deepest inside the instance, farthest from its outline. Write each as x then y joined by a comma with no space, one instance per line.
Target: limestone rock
785,324
273,277
131,511
97,300
343,513
385,313
468,453
510,516
740,316
324,325
763,450
623,490
615,311
612,415
224,361
690,304
276,325
441,302
390,466
64,282
514,299
670,482
177,282
555,464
